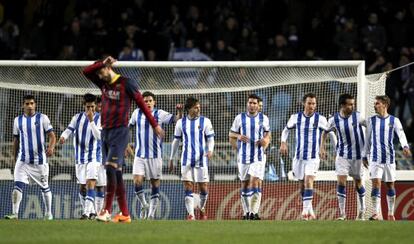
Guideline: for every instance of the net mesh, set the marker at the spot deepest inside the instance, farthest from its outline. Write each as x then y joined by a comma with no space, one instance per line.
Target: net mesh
222,89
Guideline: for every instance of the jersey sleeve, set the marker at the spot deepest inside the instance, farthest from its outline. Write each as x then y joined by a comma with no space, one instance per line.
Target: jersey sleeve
178,132
331,124
367,146
16,127
361,120
165,117
90,73
72,124
266,124
291,124
209,132
133,119
236,125
323,123
47,126
71,127
398,129
132,90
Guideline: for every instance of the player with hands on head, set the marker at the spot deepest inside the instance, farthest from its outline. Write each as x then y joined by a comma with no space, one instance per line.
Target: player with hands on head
117,94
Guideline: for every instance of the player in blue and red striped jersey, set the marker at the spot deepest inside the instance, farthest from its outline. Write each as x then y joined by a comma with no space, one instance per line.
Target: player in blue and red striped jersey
117,94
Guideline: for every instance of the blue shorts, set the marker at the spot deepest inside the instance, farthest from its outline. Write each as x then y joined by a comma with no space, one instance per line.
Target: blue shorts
114,143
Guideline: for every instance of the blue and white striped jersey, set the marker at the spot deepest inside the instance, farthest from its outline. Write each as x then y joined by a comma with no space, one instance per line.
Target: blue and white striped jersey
87,145
350,134
308,134
195,133
380,136
31,131
254,128
147,143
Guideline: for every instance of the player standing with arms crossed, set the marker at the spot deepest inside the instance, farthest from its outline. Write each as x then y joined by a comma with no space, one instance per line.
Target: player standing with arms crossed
117,94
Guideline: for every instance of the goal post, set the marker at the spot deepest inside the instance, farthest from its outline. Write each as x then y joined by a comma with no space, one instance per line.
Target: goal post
222,88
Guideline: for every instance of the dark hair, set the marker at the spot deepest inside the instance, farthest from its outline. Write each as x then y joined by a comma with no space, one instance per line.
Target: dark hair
148,94
310,95
343,97
29,97
254,96
98,99
384,99
89,98
190,102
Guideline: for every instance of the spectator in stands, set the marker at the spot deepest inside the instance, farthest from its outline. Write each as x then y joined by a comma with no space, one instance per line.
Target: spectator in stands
374,34
222,53
130,52
280,49
346,39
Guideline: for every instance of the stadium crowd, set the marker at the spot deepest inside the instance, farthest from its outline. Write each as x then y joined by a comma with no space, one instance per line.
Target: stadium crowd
380,32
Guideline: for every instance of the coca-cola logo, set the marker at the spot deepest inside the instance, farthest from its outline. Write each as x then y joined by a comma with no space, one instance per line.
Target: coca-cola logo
404,204
283,202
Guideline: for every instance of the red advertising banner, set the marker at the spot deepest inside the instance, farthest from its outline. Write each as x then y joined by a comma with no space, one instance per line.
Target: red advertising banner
404,203
280,201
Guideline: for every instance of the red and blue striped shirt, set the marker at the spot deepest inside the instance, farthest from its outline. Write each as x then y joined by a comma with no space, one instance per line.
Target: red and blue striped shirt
116,98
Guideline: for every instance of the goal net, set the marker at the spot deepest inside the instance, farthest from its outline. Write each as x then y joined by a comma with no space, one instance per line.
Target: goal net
222,88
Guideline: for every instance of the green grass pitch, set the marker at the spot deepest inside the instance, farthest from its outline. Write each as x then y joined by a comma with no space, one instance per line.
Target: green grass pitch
252,232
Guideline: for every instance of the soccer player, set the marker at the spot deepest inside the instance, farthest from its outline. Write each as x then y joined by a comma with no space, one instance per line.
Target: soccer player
380,152
252,131
30,153
198,146
148,153
117,94
88,157
347,123
100,189
308,125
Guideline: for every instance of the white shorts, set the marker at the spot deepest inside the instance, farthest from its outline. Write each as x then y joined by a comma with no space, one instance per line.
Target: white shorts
300,168
101,175
91,171
349,167
386,172
256,169
151,168
194,174
28,173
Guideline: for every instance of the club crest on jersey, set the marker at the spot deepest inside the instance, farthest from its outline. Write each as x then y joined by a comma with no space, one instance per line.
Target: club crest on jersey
111,94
